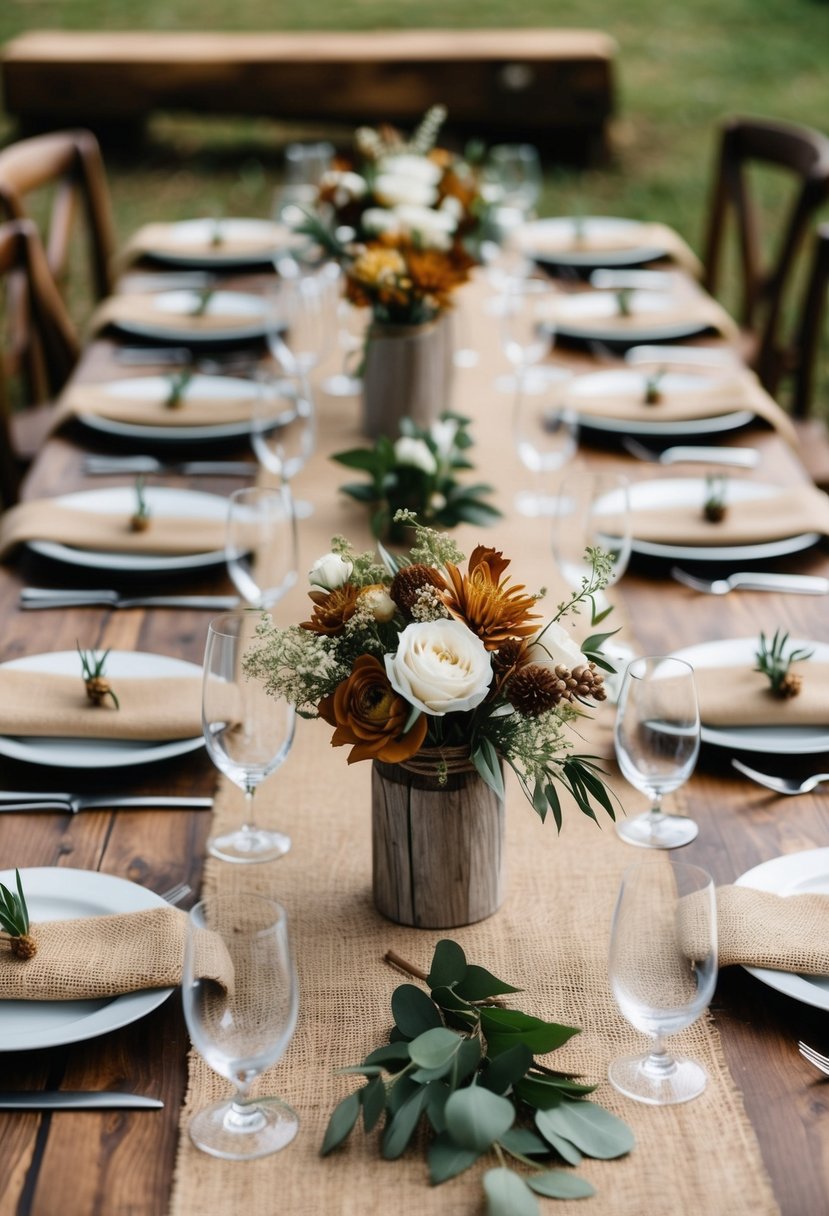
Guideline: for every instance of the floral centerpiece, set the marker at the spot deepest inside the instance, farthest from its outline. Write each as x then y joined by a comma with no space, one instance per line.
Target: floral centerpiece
418,472
440,676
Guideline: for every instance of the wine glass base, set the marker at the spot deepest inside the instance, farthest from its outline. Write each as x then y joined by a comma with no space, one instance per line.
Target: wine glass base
680,1082
666,832
249,845
342,386
257,1129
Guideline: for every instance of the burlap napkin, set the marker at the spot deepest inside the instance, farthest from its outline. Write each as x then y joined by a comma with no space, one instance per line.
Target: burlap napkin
760,929
789,513
165,536
144,310
235,240
37,703
190,410
738,390
739,696
593,239
683,306
106,956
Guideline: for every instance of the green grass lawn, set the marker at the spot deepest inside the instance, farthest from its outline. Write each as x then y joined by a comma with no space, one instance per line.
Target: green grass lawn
681,67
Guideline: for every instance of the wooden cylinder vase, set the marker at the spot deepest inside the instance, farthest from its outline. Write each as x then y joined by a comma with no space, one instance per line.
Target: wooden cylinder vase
437,847
407,374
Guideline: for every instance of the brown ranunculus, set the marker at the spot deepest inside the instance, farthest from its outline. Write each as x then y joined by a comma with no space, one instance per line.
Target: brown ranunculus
370,715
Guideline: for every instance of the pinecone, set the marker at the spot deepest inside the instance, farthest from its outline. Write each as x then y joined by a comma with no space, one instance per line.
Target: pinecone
714,512
513,654
24,947
409,580
789,686
535,689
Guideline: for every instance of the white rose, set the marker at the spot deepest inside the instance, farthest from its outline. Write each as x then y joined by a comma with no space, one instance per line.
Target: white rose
393,188
380,603
452,206
404,164
347,185
554,647
444,432
379,219
330,571
433,228
440,667
416,452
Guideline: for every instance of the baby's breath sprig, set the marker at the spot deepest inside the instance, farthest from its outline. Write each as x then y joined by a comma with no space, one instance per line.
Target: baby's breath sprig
14,920
430,547
774,663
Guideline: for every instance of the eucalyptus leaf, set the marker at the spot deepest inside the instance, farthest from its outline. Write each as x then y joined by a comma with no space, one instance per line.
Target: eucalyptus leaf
466,1061
506,1069
402,1126
363,459
556,1184
545,1092
487,765
503,1028
524,1141
507,1194
567,1151
447,1160
400,1092
343,1118
413,1012
476,1117
478,984
448,965
437,1095
591,1128
435,1047
362,1070
390,1053
374,1103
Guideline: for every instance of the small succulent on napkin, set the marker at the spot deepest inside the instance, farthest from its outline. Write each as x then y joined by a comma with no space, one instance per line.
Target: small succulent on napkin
714,508
178,385
623,301
774,663
98,688
202,300
140,519
653,393
14,920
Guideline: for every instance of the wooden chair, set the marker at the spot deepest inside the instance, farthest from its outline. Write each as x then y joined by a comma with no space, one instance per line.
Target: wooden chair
765,280
22,259
810,324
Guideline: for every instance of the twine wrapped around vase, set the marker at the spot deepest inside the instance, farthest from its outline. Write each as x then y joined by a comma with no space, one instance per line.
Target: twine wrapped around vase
407,374
437,841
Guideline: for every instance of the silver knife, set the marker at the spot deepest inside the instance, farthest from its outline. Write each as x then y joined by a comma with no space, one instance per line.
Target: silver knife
41,597
744,458
84,1100
17,800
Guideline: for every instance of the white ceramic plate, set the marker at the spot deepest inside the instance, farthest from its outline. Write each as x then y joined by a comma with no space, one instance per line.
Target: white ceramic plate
546,241
191,235
773,740
661,493
589,317
249,313
99,753
53,893
610,383
157,388
793,874
120,500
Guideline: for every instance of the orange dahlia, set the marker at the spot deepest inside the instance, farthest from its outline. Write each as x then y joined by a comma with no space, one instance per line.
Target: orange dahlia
370,715
490,607
332,609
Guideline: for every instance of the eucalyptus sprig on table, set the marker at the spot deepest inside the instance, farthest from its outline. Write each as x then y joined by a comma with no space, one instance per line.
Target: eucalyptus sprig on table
14,920
464,1065
774,663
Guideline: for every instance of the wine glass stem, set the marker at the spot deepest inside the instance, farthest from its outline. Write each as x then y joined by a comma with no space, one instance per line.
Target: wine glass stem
655,814
242,1117
659,1063
249,825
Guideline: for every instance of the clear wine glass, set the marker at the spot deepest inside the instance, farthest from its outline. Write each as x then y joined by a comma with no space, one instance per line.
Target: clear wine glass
248,733
593,510
261,544
305,164
301,317
284,430
244,1028
512,174
526,330
663,969
657,744
546,437
351,339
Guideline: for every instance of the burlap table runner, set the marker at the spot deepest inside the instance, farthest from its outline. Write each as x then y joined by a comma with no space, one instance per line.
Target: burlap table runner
592,239
740,696
39,703
550,937
168,535
191,410
106,956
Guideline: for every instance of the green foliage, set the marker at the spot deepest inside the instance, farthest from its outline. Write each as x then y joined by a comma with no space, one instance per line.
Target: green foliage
14,914
774,663
419,474
464,1065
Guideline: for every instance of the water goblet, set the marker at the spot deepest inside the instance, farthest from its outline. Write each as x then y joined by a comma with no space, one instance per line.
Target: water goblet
663,968
261,544
546,437
351,338
248,733
657,744
305,164
283,429
301,317
593,511
244,1028
526,330
512,176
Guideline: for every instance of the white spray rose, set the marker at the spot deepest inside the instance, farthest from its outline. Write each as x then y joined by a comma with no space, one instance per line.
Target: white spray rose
346,184
444,432
380,603
404,164
440,667
554,647
379,219
433,229
329,571
416,452
392,189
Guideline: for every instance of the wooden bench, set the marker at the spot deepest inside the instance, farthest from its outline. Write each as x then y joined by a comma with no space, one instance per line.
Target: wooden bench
552,86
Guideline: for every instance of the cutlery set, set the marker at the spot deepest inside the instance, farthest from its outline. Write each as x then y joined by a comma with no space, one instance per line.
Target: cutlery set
25,800
56,597
800,584
106,465
744,458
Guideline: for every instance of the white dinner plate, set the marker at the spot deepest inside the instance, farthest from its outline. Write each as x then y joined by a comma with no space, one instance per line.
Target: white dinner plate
589,317
157,388
99,753
546,241
190,237
773,740
793,874
162,501
54,893
609,383
665,492
248,313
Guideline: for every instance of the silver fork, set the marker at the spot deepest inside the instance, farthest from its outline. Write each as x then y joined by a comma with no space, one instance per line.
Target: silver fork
105,465
814,1057
177,893
744,458
781,785
753,580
